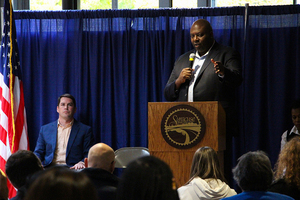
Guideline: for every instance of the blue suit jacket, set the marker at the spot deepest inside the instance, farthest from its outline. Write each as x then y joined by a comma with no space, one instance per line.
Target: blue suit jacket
80,141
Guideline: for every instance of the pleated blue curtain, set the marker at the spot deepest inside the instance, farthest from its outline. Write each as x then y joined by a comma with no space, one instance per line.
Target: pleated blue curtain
116,61
271,76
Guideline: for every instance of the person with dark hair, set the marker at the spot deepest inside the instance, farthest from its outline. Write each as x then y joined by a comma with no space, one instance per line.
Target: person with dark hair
147,178
64,141
206,178
213,73
19,167
3,187
100,165
61,183
254,175
287,170
289,134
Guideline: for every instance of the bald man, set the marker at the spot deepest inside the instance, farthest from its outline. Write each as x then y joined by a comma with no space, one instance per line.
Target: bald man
213,75
100,165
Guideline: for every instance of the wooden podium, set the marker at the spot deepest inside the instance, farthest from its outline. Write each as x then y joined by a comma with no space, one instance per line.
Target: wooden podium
180,160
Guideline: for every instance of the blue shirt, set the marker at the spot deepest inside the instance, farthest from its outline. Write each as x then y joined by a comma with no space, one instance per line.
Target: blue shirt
249,195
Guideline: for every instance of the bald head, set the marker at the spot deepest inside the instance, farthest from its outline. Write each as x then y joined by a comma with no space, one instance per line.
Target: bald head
101,156
203,23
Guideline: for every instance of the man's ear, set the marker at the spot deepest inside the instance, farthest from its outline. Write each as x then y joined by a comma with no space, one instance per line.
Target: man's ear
86,162
112,166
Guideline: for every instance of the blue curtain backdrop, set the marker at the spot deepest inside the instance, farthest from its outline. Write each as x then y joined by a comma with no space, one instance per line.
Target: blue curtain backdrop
116,61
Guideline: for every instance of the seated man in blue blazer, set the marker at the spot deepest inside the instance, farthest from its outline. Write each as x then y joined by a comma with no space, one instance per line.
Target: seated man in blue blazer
64,141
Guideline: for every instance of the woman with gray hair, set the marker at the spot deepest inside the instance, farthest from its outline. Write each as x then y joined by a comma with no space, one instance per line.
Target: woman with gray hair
254,175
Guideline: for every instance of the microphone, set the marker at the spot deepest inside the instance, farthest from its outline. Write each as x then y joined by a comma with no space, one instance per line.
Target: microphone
191,59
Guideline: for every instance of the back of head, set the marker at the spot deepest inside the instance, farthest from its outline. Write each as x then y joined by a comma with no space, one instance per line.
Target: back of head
147,178
101,156
288,163
253,171
61,183
20,166
206,164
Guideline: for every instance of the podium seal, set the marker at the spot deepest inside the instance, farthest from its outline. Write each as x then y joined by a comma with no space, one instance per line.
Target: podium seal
183,126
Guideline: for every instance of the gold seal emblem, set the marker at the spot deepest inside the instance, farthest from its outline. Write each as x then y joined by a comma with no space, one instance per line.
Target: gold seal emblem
183,126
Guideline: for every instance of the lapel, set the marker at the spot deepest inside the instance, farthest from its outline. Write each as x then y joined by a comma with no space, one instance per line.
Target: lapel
53,129
73,134
212,54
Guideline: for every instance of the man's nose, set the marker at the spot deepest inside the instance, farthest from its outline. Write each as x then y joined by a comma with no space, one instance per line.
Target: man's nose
195,37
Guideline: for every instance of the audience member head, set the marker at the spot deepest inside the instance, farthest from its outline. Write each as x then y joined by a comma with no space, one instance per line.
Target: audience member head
206,165
67,96
101,156
147,178
61,183
253,171
288,163
295,111
20,166
3,187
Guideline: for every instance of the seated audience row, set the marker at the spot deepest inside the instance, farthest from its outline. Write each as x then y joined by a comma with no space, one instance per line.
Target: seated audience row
149,178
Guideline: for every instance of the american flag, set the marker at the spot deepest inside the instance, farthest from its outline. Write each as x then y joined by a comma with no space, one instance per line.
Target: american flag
13,125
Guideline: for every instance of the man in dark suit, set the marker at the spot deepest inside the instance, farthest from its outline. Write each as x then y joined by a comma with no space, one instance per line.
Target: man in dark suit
213,75
100,165
64,141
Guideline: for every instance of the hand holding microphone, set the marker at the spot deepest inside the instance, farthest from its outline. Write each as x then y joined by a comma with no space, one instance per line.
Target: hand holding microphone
186,73
219,67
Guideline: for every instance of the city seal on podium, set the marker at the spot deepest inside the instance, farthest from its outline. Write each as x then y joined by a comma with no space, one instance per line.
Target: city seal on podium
183,126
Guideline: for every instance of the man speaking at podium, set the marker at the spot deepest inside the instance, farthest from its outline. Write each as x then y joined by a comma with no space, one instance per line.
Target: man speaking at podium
209,72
